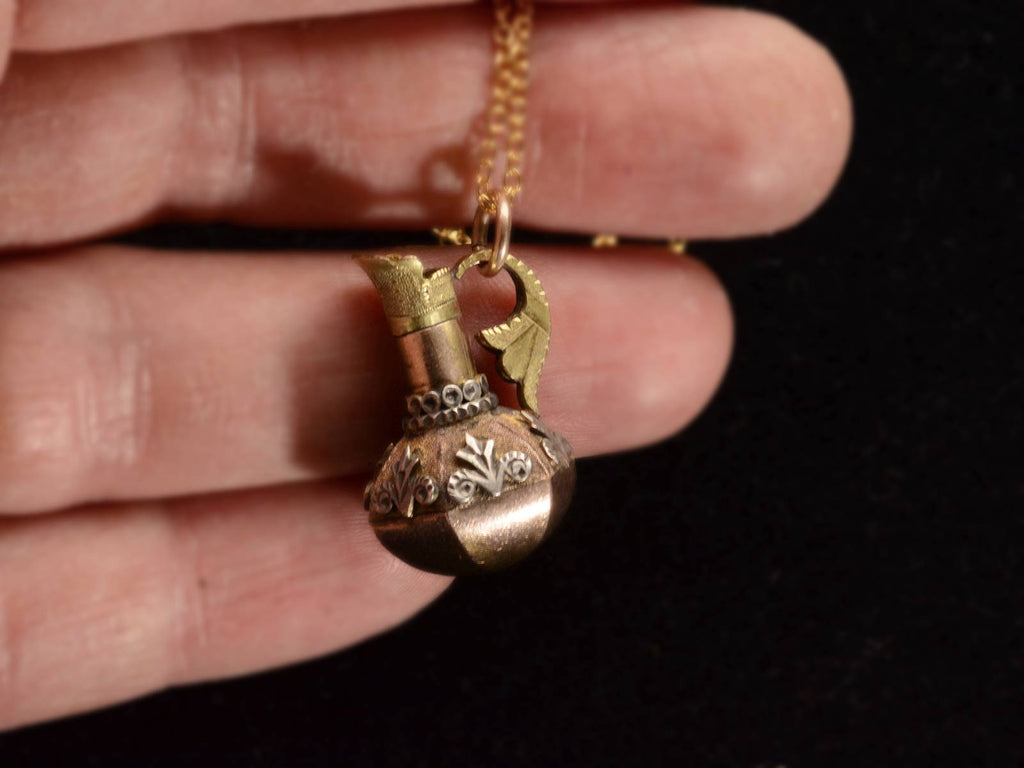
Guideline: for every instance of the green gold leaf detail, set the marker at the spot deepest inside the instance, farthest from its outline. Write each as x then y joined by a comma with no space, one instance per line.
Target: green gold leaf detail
521,342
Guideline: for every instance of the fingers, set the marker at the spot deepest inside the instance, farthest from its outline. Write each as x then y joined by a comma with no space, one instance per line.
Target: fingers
104,604
651,121
62,24
127,374
6,32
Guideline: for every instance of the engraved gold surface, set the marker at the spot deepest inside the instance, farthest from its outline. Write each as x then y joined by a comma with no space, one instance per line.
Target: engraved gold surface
413,299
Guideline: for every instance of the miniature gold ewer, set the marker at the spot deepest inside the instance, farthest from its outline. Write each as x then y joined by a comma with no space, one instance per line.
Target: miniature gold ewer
471,486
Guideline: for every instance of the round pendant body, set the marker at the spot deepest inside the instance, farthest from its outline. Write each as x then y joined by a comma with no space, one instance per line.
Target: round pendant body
478,495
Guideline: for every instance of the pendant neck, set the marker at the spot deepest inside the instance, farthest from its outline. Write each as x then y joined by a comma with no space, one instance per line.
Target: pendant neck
436,356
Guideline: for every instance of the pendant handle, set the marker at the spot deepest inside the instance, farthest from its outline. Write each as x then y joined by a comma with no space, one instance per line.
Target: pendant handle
521,342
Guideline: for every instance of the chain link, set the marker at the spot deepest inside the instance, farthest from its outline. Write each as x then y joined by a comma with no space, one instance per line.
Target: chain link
504,135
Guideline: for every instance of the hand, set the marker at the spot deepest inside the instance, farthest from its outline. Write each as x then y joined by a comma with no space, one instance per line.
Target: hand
172,424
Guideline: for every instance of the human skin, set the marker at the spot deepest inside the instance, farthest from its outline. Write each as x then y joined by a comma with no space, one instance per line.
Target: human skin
183,436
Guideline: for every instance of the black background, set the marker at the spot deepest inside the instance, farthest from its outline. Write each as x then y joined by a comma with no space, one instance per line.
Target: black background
823,570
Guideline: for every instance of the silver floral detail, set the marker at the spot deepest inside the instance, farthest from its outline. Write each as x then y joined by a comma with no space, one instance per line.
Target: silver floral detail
485,472
555,446
405,488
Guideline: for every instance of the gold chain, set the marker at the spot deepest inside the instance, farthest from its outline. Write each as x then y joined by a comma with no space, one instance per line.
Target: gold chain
506,116
505,130
607,240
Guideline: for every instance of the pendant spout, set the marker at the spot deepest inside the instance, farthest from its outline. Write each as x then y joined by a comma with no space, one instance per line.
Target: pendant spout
425,319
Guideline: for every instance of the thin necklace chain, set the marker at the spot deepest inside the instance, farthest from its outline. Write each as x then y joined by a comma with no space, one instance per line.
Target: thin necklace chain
504,136
505,131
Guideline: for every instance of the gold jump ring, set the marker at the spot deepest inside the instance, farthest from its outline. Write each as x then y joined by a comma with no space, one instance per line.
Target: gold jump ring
502,218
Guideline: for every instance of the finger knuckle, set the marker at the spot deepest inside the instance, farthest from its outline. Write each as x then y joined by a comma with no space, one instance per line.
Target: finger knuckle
74,390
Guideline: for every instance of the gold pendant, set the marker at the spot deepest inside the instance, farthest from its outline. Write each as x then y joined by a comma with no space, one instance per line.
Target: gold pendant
472,485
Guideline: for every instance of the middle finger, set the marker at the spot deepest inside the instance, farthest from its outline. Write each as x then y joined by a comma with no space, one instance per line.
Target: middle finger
126,374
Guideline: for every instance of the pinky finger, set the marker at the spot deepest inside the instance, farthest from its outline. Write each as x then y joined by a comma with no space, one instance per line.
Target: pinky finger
104,604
